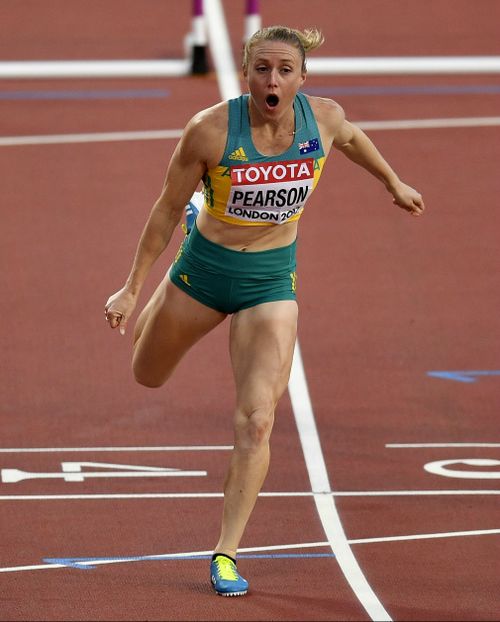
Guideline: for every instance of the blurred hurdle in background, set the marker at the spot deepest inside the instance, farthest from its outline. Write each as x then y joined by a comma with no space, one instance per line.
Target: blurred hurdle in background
208,25
195,61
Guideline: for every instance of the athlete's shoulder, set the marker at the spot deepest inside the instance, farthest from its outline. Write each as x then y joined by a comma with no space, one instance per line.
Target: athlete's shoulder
327,111
211,120
206,132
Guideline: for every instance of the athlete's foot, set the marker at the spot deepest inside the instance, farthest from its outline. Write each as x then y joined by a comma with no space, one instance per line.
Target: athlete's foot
225,577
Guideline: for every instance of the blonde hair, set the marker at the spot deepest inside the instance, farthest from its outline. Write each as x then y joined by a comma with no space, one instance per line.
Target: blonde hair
303,40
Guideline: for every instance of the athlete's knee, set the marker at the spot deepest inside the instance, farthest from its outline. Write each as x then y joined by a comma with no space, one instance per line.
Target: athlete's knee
146,381
146,374
253,426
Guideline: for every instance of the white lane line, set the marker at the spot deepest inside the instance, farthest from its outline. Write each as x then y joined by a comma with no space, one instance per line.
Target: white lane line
219,495
35,567
172,68
425,445
325,505
22,450
220,48
373,65
275,547
428,536
419,124
99,496
406,65
96,137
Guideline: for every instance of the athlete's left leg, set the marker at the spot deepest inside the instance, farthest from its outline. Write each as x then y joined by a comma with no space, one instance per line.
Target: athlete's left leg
262,339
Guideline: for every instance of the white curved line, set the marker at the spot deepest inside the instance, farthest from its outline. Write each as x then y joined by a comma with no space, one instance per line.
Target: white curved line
325,504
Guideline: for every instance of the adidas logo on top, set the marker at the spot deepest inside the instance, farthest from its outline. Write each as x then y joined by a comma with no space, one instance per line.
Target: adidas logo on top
239,154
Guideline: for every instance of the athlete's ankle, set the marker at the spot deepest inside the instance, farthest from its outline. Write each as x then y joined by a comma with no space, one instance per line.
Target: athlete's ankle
217,554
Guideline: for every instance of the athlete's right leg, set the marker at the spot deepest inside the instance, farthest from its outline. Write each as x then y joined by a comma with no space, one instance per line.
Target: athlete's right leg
168,326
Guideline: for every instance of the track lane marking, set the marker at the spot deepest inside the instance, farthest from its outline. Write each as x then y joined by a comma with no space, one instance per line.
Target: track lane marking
406,65
221,51
420,124
20,450
464,376
94,137
60,69
391,124
82,562
427,536
325,505
82,94
430,445
220,495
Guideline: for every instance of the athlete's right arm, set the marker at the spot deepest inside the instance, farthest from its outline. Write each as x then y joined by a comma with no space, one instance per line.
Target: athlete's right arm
186,168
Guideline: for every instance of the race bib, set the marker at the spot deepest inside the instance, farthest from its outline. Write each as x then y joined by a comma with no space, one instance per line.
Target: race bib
270,192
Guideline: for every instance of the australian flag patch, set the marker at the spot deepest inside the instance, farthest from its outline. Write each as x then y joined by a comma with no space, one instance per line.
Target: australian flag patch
309,145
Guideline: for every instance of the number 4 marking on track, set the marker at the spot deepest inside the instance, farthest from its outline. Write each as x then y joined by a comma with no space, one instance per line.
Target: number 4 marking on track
72,472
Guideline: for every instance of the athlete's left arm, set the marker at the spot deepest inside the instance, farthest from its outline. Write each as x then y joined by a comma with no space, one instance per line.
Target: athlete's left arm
355,144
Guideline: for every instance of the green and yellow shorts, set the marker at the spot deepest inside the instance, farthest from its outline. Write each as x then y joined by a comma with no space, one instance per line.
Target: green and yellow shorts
229,280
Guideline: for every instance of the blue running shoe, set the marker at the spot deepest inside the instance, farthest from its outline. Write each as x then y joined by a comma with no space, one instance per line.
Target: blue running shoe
192,210
225,577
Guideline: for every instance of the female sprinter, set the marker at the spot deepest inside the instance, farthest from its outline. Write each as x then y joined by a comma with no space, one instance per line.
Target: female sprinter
259,157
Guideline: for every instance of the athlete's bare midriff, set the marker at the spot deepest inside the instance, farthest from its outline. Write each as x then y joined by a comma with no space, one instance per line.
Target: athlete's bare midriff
236,237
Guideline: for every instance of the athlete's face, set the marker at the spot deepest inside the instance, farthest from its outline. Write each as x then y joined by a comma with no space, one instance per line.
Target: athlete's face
274,75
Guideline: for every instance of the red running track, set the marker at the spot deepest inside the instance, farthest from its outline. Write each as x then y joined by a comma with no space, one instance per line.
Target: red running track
384,299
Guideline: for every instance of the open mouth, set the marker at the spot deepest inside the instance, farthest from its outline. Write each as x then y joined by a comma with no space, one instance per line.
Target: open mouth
272,101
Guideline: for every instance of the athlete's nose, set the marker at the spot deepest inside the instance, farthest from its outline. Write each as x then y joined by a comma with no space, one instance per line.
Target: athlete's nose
273,77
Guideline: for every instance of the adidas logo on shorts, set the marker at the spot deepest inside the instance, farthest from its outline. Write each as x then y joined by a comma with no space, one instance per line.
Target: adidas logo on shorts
239,154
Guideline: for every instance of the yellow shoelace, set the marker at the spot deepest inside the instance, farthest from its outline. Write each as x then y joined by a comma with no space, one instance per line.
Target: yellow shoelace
226,568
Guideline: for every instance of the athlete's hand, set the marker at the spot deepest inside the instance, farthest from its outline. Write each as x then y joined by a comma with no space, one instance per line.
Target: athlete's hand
119,308
408,198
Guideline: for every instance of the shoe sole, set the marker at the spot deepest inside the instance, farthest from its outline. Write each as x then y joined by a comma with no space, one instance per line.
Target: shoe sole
231,593
240,593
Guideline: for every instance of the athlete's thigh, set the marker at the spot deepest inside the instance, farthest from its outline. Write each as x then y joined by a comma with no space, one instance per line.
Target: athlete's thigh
170,324
262,340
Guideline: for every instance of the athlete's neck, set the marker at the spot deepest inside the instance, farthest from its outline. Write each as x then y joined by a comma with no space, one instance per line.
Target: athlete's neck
278,125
